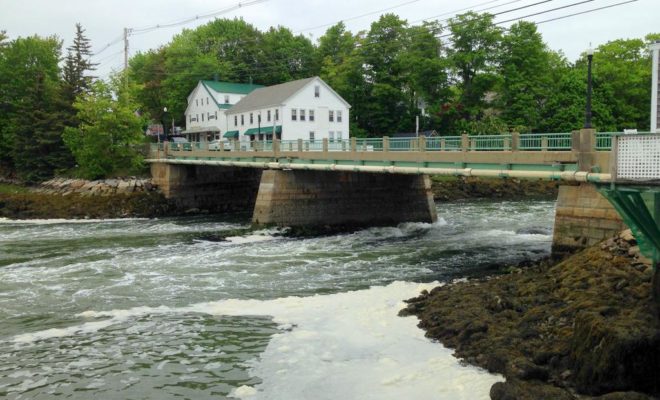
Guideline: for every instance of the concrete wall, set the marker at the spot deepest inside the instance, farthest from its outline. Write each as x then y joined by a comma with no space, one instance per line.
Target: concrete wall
583,217
319,198
217,189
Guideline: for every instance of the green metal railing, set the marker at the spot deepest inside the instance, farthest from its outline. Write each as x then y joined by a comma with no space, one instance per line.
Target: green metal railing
490,142
471,143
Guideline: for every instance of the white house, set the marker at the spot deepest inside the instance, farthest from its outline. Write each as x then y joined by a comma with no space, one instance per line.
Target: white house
207,105
305,109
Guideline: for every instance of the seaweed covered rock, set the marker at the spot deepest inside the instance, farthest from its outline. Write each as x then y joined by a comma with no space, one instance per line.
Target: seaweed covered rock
615,354
585,324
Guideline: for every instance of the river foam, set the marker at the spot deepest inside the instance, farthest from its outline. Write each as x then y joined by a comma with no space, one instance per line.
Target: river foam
348,345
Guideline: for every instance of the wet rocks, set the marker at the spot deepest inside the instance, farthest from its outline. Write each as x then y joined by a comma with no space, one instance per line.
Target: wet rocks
587,324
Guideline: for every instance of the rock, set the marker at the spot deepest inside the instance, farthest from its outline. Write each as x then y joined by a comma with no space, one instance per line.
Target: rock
529,390
624,396
627,236
621,284
525,370
609,356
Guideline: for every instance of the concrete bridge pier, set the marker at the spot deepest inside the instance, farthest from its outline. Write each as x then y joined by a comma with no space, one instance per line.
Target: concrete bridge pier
303,198
216,189
583,217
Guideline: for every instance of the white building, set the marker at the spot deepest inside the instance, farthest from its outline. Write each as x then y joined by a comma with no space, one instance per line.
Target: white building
655,89
207,106
305,109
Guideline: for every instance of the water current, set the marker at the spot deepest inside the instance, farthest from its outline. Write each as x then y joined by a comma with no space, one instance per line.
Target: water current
188,308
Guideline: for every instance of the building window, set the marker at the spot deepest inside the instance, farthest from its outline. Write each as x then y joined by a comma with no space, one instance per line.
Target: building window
235,120
190,117
317,91
202,117
331,116
196,117
338,115
311,137
207,101
311,115
339,138
268,116
294,114
251,119
242,119
302,115
331,136
226,99
216,115
196,102
277,115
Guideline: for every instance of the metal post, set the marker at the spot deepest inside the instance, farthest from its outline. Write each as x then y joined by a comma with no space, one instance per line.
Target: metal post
386,143
587,117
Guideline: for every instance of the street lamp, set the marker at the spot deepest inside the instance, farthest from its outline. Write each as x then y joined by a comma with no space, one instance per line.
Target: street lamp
587,116
164,125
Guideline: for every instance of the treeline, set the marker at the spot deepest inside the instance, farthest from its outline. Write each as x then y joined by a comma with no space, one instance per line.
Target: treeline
56,117
467,75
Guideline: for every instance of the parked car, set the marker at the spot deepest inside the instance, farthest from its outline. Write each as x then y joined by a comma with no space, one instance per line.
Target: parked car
214,145
180,143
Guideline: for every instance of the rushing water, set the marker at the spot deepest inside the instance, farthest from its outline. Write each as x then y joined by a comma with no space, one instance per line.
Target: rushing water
175,308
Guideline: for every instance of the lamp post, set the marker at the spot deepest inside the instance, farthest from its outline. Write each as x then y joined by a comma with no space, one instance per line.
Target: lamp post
587,114
164,124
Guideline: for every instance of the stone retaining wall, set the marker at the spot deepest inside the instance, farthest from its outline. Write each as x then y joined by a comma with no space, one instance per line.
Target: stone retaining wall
106,187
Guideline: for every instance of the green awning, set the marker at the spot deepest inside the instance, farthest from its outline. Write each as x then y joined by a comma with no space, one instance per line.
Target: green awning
231,134
263,130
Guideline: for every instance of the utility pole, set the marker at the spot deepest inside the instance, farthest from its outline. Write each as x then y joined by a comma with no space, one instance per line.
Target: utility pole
126,32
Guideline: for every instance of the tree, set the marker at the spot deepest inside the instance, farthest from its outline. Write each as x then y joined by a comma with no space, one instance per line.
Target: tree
285,57
30,142
76,65
473,57
110,130
526,67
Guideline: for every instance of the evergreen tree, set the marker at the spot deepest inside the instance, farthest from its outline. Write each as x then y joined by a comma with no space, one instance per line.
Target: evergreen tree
76,66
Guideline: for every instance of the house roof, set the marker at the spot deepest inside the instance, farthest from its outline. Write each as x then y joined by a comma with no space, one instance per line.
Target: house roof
230,87
269,96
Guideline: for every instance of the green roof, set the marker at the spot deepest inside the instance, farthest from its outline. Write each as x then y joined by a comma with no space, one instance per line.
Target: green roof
229,87
231,134
263,129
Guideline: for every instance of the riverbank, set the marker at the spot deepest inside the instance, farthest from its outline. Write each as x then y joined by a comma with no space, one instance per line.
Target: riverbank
134,197
584,326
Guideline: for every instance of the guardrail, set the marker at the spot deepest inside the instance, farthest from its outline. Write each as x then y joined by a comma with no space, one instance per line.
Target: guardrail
562,141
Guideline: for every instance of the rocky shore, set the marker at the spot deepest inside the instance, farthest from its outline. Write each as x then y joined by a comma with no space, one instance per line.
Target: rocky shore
77,198
450,188
583,328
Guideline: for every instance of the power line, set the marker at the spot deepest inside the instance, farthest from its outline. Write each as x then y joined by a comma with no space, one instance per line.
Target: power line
585,12
529,15
143,30
361,16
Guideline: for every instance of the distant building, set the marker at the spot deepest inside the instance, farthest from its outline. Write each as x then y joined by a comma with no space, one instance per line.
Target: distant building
655,88
306,109
207,106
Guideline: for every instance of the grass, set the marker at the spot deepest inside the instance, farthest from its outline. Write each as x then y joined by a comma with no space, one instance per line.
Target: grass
8,188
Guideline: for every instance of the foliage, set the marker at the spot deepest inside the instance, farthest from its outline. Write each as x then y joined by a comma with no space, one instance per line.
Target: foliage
30,142
109,134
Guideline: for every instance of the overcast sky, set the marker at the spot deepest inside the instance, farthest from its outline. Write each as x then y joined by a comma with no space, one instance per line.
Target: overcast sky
104,20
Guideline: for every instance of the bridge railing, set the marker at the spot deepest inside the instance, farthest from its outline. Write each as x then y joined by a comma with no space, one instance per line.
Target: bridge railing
467,143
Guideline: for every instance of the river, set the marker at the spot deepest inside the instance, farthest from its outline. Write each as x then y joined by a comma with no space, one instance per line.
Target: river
188,308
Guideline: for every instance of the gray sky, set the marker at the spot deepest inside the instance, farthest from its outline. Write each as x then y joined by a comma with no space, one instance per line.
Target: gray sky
104,20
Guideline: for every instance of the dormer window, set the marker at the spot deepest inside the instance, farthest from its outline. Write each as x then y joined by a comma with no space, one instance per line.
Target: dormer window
226,99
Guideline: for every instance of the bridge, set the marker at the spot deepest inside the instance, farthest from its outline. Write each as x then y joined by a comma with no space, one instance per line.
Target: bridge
612,179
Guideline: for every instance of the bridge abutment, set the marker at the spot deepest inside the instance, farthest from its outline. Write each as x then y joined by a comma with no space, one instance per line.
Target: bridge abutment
327,198
216,189
583,217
